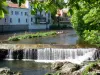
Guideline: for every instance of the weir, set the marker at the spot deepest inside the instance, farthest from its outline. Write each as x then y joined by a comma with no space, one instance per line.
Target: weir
53,54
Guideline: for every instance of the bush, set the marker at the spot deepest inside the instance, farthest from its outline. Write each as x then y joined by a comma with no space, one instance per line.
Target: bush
89,68
93,36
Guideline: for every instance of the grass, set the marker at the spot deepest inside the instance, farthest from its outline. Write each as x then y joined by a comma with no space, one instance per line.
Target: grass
35,35
90,68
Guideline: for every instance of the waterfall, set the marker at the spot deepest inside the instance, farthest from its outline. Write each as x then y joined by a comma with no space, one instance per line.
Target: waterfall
61,54
72,55
54,54
10,55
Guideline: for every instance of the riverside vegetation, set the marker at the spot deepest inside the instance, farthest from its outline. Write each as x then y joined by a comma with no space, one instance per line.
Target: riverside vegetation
67,68
32,35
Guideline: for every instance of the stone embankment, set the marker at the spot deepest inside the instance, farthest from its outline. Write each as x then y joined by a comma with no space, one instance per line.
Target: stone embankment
67,68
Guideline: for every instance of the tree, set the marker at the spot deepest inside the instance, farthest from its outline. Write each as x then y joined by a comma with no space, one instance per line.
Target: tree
86,19
3,5
3,11
47,5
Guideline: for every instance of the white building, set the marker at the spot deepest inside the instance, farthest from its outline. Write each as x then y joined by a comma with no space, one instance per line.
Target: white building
20,18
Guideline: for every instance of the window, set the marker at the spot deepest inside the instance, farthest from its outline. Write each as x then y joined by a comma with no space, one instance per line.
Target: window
10,20
21,13
11,12
5,19
19,20
31,19
48,15
26,20
26,14
16,12
45,13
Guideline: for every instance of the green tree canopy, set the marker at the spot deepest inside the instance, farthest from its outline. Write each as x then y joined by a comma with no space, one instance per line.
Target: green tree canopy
3,11
3,5
47,5
86,19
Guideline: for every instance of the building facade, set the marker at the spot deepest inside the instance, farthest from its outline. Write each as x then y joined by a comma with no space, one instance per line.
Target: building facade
20,18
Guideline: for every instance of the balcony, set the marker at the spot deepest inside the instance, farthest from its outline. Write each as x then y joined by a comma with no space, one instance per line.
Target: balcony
40,19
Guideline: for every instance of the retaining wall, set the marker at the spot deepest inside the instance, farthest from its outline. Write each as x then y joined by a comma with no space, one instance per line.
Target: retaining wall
8,28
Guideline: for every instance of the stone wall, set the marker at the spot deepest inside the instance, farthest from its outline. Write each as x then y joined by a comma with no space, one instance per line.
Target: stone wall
8,28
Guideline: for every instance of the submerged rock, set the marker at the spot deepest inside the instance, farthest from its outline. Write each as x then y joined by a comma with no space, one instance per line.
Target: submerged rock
68,68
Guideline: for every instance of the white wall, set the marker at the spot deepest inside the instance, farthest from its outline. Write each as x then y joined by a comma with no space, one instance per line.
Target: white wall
4,21
21,15
32,25
38,26
23,18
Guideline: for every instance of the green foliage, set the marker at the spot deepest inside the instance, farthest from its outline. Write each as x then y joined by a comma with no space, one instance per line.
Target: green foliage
48,5
86,19
88,69
93,36
3,6
18,1
35,35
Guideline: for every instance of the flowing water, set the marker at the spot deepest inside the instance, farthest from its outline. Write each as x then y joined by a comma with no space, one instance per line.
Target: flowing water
37,61
53,54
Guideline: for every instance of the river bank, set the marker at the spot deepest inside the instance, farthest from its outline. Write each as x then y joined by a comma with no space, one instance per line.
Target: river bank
67,68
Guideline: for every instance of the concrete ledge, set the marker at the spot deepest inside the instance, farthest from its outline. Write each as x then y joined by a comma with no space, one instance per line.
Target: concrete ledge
9,28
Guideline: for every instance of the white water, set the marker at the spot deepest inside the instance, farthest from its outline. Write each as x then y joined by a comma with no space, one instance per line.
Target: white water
71,55
54,55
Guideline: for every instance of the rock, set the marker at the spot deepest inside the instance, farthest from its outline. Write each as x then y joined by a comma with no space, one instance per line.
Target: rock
68,68
76,73
4,69
7,71
57,65
3,53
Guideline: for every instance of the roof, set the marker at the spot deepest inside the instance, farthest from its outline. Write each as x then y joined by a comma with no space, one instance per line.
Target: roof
10,4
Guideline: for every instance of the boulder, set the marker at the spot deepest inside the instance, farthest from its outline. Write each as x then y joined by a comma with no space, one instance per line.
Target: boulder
57,65
76,73
68,68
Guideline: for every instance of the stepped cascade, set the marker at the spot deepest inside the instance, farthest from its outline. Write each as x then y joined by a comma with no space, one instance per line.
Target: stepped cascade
54,54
